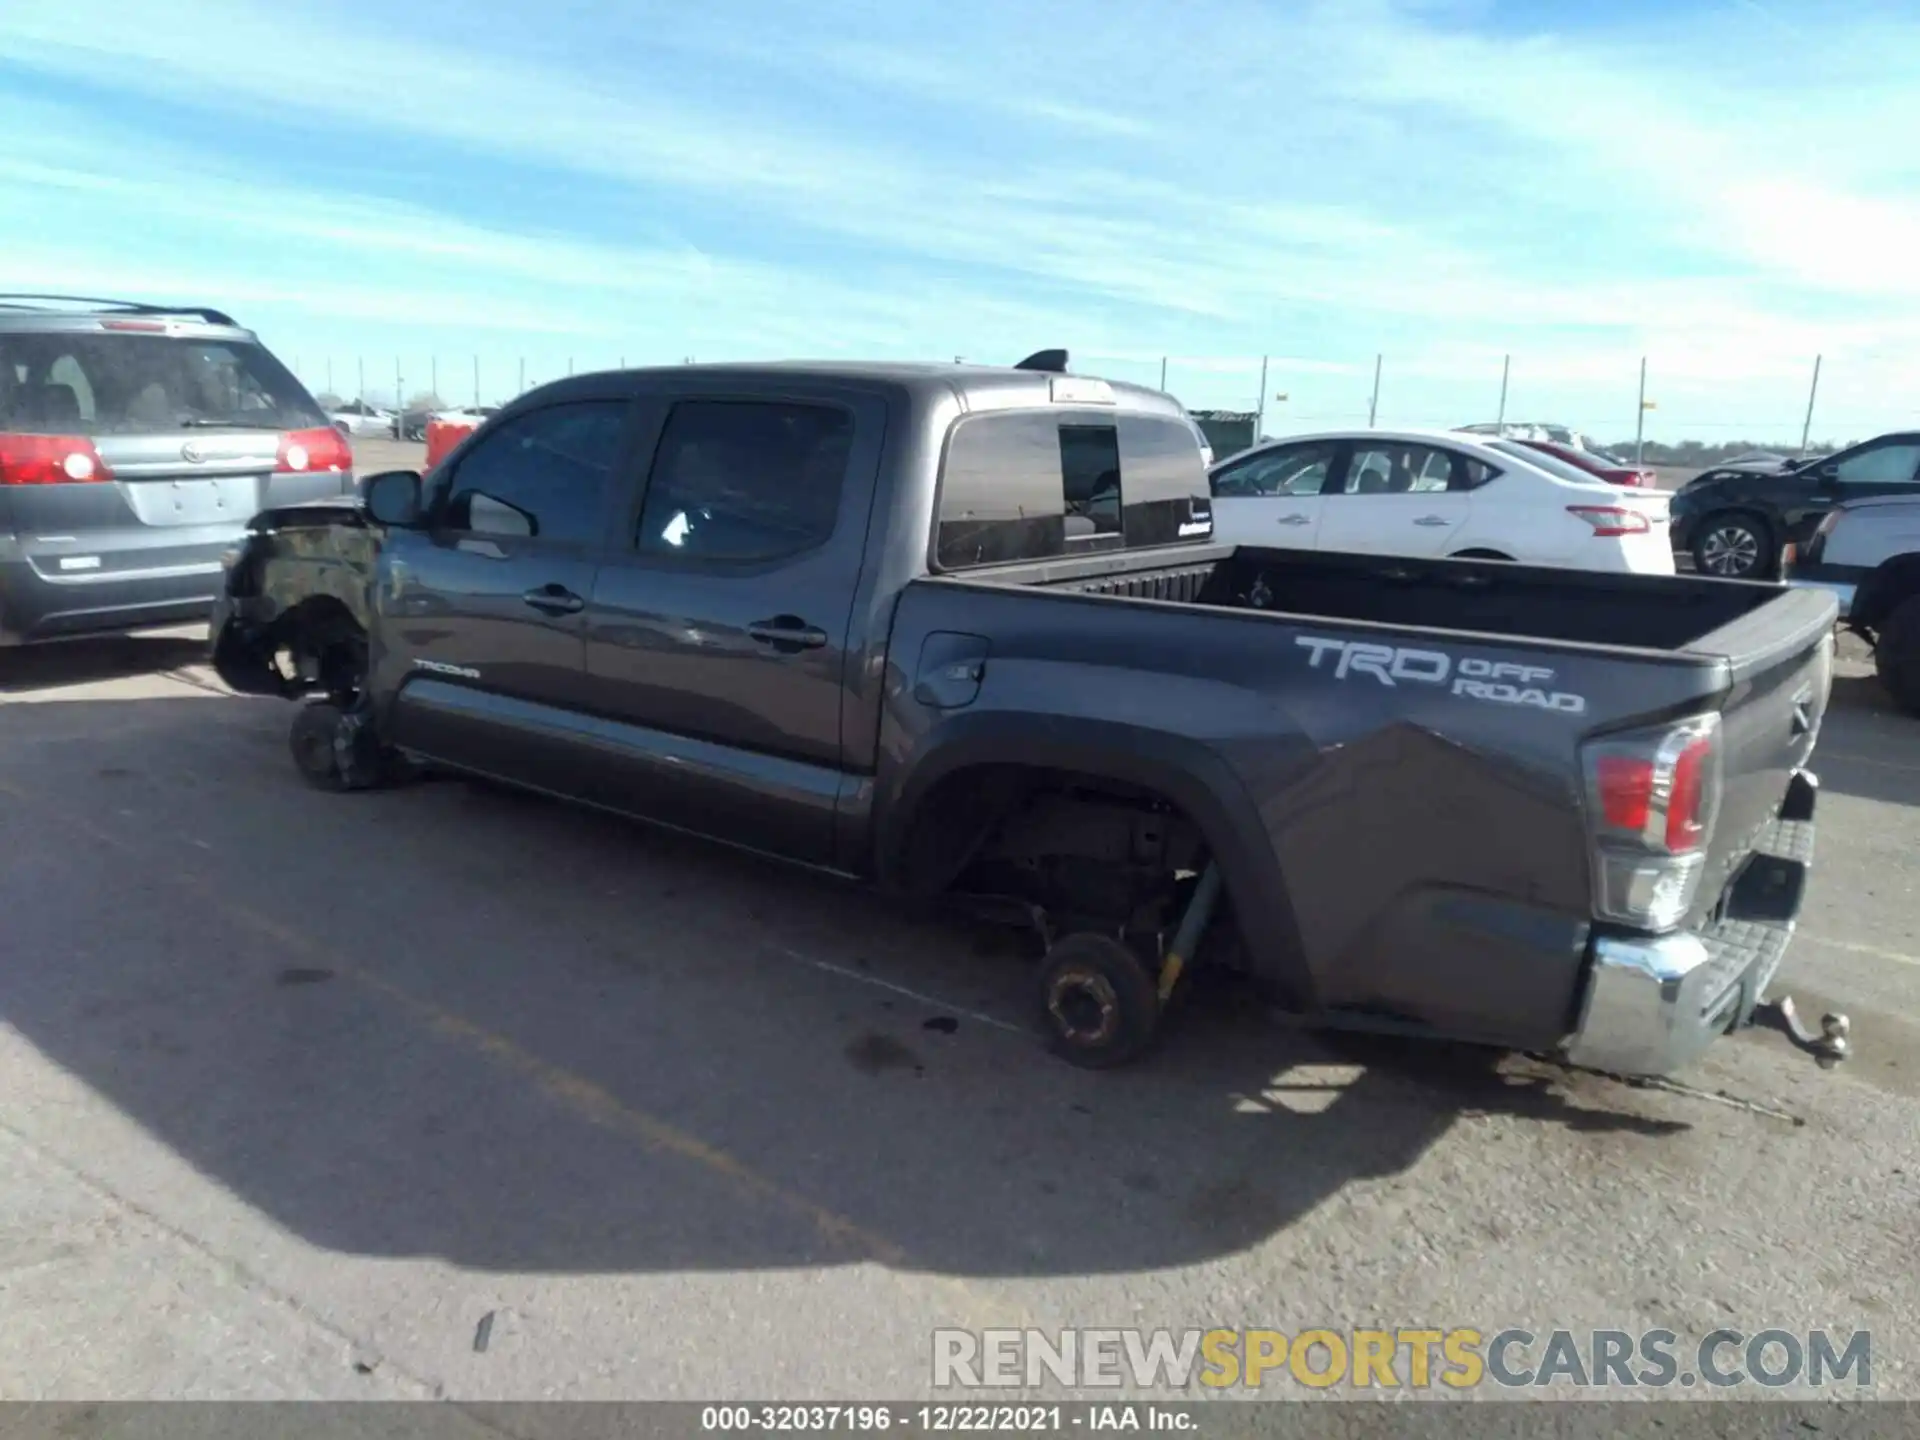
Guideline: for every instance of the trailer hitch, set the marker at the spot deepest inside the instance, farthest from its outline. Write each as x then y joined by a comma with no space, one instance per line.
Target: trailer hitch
1829,1047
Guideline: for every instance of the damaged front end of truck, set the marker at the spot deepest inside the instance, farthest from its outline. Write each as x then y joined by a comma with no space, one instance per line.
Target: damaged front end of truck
292,616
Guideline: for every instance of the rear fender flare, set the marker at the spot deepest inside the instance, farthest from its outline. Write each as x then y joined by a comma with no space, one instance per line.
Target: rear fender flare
1185,772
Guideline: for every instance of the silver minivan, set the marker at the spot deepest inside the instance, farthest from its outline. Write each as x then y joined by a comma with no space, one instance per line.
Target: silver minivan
136,441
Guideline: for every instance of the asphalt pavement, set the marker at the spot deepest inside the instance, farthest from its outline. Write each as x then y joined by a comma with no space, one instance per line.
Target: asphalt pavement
445,1091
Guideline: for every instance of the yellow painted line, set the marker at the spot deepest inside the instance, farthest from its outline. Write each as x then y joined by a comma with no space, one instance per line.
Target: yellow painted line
587,1100
1855,948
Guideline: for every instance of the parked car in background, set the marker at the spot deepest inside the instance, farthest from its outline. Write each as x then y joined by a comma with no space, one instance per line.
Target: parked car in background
1438,494
411,423
1866,553
136,441
361,420
474,415
1605,467
1757,459
1535,430
1735,519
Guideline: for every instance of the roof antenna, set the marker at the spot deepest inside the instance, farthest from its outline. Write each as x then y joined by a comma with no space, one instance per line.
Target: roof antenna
1049,362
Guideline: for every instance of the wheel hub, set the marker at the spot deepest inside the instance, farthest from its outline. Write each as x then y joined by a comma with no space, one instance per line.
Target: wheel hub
1730,550
1084,1006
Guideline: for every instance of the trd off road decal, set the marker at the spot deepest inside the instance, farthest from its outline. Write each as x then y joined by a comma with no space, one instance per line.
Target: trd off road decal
1471,677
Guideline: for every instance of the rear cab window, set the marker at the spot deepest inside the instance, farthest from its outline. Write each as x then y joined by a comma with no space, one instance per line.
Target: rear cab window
58,383
1038,485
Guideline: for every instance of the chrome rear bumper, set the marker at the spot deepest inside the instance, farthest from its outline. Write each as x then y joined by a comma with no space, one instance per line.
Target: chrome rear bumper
1654,1003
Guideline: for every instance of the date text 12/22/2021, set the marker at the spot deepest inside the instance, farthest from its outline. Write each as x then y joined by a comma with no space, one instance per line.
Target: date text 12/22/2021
945,1419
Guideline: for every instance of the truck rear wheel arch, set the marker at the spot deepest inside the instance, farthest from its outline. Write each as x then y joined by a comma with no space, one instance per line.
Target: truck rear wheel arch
965,787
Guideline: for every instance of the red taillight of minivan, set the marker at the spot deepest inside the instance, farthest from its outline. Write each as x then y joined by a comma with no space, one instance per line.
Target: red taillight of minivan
313,452
50,460
1652,798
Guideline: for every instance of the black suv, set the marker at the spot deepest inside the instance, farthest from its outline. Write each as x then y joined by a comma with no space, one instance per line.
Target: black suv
1734,520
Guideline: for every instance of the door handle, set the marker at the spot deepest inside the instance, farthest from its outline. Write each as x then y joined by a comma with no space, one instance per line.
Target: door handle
1294,519
1433,520
787,633
555,600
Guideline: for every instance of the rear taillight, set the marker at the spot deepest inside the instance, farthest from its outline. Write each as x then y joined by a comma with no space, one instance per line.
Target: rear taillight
50,460
1611,519
308,452
1652,798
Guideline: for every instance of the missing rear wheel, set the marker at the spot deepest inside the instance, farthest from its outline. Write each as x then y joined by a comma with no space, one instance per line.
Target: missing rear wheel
1098,1001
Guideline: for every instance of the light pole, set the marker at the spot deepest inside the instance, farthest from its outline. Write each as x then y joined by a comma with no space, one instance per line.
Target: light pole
1640,423
1806,430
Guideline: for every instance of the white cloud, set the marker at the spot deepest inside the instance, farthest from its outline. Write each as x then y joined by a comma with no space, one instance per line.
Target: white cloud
1335,178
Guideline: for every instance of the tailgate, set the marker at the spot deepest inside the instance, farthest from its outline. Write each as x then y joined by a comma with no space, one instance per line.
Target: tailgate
1780,663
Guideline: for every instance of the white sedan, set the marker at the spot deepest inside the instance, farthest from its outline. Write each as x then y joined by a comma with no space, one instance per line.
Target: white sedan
1436,493
474,415
361,420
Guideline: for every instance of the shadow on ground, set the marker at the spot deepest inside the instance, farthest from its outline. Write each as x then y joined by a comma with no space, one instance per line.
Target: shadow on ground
449,1021
29,668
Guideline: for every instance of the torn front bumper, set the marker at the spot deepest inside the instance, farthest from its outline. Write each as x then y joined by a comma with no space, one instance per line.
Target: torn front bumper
1654,1003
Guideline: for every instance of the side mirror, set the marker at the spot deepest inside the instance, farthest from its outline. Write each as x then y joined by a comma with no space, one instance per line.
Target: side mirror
344,428
393,498
1828,471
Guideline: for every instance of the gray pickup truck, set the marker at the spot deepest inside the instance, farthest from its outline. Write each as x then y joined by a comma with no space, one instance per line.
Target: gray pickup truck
964,632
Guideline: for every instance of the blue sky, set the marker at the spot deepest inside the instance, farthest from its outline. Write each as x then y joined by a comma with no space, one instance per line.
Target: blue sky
1727,187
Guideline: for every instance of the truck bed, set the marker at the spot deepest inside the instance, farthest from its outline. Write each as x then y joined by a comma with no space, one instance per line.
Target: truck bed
1409,730
1681,614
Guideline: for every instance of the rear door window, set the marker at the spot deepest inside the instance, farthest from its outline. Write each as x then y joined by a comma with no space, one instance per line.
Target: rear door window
1393,468
746,480
130,384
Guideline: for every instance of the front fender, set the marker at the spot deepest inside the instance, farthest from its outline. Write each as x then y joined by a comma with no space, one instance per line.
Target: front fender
294,561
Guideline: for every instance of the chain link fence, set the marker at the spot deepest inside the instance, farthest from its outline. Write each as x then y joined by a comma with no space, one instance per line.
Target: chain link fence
1624,403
